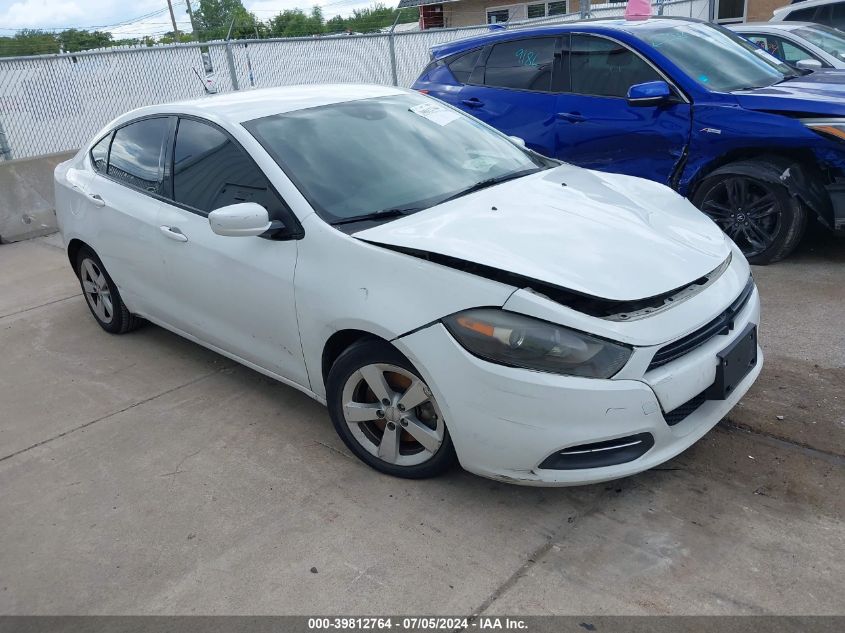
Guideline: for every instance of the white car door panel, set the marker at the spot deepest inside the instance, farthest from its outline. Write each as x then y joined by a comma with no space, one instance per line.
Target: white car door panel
235,293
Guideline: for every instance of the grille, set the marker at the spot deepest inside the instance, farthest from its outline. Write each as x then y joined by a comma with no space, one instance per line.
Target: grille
679,414
722,324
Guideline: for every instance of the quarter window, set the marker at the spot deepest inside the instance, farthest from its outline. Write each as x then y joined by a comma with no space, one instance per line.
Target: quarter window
605,68
100,154
136,154
522,64
210,171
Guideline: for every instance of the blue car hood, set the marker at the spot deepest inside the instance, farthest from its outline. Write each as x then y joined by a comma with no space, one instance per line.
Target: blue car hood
821,93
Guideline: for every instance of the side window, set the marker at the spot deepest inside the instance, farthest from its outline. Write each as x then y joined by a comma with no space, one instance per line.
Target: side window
136,154
837,19
100,154
801,15
793,53
462,66
211,171
522,64
604,68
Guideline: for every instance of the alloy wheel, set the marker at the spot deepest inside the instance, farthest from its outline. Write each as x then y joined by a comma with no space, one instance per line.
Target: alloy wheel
392,414
96,290
747,210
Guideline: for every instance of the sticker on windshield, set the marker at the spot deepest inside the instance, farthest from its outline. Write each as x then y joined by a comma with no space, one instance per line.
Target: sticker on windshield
435,113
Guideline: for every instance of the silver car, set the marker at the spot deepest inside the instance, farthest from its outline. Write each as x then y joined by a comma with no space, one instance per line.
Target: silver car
802,44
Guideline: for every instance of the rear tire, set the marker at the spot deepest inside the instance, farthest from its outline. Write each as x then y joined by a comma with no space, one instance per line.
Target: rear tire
102,295
386,414
764,220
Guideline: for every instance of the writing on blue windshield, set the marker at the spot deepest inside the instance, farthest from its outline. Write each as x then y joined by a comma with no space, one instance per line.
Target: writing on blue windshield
526,57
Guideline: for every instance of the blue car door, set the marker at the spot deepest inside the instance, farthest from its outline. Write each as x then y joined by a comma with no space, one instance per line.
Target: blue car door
510,88
598,128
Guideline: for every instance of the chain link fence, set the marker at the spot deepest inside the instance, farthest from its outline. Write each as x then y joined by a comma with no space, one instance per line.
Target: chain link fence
54,103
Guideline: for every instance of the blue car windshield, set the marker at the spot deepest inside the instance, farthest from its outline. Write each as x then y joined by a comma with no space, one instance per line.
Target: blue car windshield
831,41
715,57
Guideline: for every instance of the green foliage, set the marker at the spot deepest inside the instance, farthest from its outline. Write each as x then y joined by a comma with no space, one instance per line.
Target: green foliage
28,42
213,17
296,23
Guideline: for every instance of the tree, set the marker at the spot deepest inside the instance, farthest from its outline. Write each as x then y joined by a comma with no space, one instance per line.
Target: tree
336,25
213,17
75,40
28,42
295,23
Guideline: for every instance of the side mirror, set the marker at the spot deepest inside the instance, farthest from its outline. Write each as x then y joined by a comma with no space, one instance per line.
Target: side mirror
809,64
517,140
651,93
240,220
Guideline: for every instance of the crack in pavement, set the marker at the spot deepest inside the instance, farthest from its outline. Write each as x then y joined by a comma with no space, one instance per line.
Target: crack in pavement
114,413
536,556
782,442
43,305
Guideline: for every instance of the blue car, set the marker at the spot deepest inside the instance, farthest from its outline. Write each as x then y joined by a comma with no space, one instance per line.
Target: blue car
757,145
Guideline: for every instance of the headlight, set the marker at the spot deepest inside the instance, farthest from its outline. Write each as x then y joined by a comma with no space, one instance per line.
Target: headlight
827,127
516,340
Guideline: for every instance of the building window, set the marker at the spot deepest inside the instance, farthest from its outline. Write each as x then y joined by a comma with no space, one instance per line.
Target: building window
533,10
557,8
728,11
497,16
537,10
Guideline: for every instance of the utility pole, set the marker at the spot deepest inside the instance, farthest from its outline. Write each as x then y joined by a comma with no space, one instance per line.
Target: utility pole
173,19
191,17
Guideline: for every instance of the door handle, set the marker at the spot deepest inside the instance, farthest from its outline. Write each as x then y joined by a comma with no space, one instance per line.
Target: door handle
95,199
473,103
173,233
572,117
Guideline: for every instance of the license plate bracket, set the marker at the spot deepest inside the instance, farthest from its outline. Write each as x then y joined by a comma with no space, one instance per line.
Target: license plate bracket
735,363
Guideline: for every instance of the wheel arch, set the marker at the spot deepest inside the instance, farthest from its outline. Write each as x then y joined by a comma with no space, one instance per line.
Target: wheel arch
796,169
73,248
338,343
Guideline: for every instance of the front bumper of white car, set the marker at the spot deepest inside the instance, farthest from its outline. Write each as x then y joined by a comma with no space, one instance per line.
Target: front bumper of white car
538,428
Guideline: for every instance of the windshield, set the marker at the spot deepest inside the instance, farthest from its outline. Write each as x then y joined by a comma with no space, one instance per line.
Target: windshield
399,153
715,57
831,41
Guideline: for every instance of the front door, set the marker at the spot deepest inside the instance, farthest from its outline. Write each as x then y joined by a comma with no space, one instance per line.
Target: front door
235,293
598,129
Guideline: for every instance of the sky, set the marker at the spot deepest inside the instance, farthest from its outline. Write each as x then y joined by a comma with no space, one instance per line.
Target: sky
121,17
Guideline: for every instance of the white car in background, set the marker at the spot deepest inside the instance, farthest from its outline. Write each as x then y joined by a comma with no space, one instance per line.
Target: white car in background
828,12
445,291
801,44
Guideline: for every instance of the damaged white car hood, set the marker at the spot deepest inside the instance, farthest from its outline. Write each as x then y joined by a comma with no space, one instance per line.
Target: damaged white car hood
604,235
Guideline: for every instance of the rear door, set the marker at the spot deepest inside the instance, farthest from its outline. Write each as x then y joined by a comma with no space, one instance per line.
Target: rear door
598,129
510,87
125,192
235,293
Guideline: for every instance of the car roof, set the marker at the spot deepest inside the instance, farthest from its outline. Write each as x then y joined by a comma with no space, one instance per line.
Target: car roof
599,25
804,5
245,105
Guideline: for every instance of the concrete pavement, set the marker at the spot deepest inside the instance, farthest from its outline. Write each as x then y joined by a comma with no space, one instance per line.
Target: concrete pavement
143,474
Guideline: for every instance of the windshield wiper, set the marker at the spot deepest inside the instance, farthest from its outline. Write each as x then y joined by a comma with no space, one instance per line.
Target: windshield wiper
384,214
490,182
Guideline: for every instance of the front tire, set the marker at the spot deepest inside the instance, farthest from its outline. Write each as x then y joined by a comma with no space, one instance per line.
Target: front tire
760,216
386,414
102,295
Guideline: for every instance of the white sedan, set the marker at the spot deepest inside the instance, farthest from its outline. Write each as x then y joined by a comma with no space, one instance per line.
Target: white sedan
446,292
